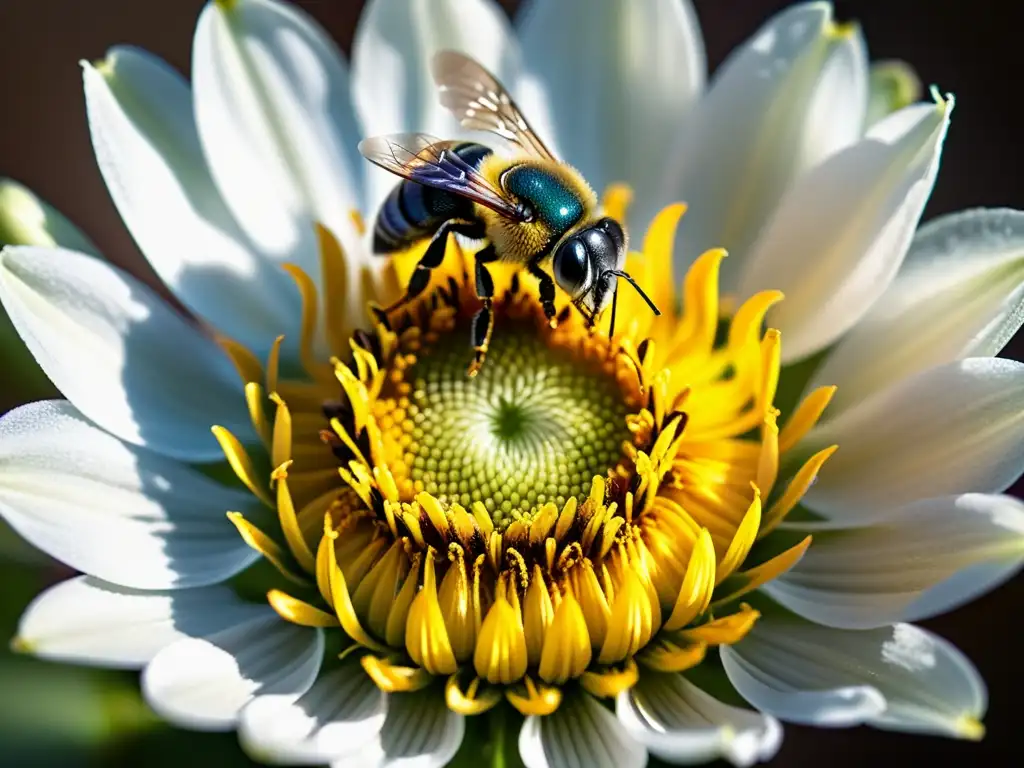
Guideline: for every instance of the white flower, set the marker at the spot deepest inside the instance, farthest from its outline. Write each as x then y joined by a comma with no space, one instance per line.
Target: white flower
254,168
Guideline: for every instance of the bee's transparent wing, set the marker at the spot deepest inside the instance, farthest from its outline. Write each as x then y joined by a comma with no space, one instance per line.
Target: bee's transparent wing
431,162
481,103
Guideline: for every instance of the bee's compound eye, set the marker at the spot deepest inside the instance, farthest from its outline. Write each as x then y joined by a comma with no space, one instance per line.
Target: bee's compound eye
602,247
572,266
614,231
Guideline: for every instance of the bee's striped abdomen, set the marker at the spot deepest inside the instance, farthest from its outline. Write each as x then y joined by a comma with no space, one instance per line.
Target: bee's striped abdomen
412,211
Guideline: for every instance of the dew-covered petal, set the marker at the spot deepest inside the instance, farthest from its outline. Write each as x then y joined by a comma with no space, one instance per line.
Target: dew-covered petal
337,716
840,234
203,684
956,428
684,725
147,148
419,732
120,354
277,124
112,510
926,558
792,95
393,89
85,620
900,677
580,732
959,293
622,82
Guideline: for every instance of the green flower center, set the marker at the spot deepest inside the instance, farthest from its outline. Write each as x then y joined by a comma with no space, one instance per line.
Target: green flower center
534,426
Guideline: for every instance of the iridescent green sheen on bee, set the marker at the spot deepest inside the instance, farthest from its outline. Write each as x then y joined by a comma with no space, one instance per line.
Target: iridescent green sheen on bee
552,201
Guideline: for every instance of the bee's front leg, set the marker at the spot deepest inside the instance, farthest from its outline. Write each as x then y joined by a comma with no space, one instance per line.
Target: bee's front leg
483,321
547,290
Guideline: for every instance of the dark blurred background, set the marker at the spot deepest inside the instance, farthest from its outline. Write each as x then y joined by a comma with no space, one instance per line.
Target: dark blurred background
52,715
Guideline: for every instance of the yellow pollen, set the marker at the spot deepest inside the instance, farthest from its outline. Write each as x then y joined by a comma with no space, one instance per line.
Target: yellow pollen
582,510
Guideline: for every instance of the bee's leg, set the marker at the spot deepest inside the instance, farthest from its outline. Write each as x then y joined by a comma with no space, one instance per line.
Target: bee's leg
547,290
483,320
432,258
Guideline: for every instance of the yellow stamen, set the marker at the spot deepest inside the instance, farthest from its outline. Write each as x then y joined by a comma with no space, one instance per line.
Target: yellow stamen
310,311
266,546
475,700
392,678
698,584
744,582
342,601
724,631
290,523
274,364
533,699
796,489
744,539
335,282
426,638
254,404
281,448
609,683
695,335
658,254
245,362
768,463
241,464
298,612
805,417
665,655
566,652
501,650
632,621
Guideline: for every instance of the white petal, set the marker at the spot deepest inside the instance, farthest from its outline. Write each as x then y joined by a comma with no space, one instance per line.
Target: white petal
873,575
111,510
793,95
622,82
144,136
899,677
957,428
419,732
203,684
25,219
120,354
580,733
960,293
392,85
275,117
681,724
341,713
839,235
88,621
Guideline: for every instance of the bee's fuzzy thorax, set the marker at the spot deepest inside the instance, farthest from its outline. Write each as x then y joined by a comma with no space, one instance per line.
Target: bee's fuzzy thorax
516,241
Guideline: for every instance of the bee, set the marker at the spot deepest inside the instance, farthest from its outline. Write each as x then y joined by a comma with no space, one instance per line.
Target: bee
531,209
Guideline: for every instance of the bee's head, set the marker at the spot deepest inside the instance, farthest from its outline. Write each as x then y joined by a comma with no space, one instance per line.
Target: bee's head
584,261
587,266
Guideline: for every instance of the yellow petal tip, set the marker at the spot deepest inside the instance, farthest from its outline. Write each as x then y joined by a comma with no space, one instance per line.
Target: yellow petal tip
970,728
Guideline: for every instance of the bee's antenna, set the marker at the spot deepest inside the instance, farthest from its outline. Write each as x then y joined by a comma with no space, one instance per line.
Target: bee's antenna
615,298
